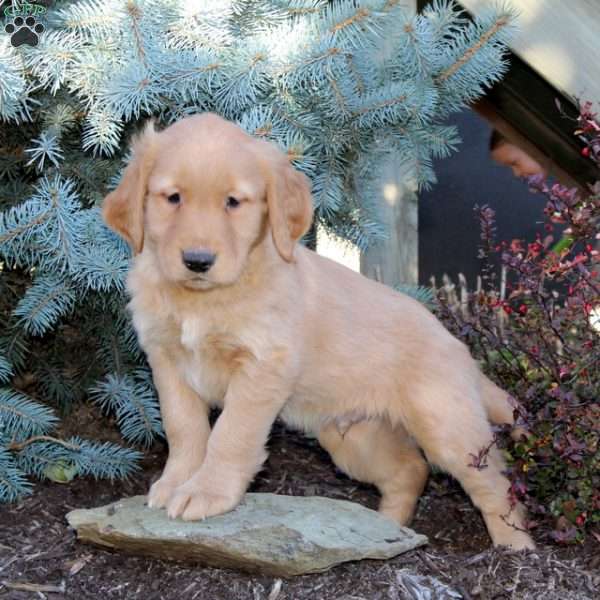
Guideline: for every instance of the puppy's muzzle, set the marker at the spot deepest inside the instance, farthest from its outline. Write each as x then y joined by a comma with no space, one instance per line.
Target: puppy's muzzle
198,260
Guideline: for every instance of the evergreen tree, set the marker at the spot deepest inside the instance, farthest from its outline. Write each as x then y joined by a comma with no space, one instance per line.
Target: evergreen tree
338,85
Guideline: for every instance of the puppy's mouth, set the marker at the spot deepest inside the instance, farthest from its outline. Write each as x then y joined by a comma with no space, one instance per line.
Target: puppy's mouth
198,282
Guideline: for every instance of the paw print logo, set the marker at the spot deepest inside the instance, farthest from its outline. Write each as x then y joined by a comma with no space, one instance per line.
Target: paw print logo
24,31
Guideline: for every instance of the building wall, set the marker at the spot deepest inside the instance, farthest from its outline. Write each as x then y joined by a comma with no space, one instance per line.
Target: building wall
559,39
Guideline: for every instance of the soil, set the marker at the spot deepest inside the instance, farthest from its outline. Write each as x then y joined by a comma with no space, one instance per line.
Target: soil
41,558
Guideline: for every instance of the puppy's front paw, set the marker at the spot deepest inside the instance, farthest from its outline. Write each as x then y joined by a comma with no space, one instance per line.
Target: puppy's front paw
193,501
161,491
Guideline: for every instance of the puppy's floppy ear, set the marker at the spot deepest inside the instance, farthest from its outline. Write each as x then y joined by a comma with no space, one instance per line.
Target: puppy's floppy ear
289,201
123,208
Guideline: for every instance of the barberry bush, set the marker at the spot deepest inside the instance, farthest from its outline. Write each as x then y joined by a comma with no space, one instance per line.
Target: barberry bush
536,331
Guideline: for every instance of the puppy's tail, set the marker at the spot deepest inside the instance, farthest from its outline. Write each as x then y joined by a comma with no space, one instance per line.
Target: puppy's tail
499,409
496,403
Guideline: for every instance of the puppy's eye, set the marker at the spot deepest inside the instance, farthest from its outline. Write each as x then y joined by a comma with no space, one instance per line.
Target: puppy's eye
232,202
174,199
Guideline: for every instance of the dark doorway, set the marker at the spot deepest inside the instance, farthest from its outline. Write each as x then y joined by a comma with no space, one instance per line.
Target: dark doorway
448,229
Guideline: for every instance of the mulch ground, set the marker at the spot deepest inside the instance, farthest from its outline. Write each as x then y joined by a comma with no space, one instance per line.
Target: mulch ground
41,558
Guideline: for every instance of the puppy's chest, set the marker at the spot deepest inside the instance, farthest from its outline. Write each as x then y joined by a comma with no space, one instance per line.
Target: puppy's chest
208,357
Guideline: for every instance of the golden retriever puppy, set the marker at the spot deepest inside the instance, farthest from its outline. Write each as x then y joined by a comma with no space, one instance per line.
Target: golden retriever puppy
233,312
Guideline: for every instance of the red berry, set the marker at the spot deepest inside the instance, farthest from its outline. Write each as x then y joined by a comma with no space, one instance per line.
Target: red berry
523,309
585,152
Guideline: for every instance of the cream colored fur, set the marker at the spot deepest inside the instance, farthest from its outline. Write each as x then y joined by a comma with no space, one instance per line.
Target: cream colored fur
274,330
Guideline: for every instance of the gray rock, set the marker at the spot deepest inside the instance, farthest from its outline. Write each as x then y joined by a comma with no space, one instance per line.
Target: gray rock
267,533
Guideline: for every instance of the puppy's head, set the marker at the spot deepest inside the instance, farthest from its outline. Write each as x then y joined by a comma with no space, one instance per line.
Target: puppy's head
202,195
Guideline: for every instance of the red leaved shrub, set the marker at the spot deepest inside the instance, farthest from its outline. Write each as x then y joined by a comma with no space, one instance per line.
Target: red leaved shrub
536,331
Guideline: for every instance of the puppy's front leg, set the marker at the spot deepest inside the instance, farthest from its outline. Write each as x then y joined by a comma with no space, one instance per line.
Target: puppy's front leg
185,420
236,447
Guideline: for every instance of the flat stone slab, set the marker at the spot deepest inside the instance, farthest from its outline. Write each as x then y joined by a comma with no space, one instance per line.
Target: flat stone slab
267,533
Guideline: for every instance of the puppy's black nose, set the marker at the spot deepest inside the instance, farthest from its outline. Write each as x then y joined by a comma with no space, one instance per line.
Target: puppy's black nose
198,261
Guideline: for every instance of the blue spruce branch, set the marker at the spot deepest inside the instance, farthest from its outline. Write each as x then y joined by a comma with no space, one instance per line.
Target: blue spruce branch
13,484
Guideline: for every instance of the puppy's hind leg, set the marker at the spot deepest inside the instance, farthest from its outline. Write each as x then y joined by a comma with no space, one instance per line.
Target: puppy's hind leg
373,452
445,415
